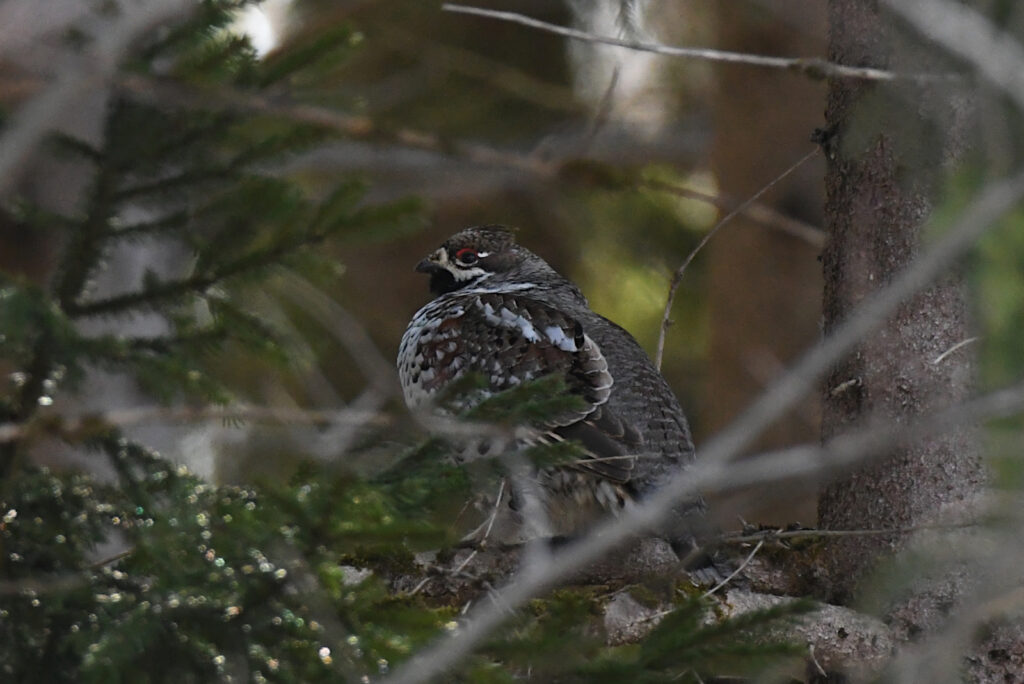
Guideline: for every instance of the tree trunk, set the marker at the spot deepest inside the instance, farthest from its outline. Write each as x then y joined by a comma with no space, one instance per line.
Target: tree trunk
889,146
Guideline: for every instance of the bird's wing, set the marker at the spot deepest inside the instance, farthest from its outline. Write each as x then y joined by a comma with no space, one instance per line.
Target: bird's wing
512,339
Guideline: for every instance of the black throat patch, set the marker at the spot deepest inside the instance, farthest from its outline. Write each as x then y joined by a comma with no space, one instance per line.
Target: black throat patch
442,281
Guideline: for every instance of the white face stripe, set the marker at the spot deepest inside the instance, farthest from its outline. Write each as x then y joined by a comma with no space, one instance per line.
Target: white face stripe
462,274
459,272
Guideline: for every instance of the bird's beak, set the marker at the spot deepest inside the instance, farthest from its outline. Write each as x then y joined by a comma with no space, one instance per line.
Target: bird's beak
427,266
432,263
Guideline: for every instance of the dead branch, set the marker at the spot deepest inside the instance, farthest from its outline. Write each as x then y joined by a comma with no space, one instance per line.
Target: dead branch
677,276
812,67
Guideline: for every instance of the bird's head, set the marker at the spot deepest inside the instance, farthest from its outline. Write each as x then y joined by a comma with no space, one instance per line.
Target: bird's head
472,256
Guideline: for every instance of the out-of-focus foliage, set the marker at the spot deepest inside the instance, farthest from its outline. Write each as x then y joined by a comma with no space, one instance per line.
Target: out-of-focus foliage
225,583
216,582
547,643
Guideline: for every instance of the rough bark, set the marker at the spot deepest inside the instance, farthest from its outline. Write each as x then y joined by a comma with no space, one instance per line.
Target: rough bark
764,286
889,146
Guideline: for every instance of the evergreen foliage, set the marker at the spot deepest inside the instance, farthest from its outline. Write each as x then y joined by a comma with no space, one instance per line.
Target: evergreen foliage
155,575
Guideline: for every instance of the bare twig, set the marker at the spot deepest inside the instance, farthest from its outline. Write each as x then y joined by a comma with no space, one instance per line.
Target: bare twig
495,74
69,427
715,468
725,581
994,606
959,345
817,665
478,545
379,372
965,32
735,572
112,559
758,212
873,439
774,535
487,529
997,199
363,127
73,427
542,164
677,277
812,67
31,586
602,112
344,327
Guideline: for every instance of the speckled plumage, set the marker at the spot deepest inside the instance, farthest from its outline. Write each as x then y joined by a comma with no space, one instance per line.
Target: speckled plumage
503,312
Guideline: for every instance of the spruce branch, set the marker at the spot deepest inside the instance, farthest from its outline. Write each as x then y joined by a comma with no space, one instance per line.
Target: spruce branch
161,293
120,350
177,183
169,92
123,456
173,221
967,33
82,254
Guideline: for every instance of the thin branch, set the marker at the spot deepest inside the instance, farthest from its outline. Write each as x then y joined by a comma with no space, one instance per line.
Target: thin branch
993,605
110,560
197,284
34,585
775,535
166,91
495,74
488,526
735,572
345,328
602,113
968,34
717,467
677,277
817,665
542,164
959,345
89,425
812,67
764,214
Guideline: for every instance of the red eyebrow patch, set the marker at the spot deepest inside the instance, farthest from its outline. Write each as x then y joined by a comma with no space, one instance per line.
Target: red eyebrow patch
464,251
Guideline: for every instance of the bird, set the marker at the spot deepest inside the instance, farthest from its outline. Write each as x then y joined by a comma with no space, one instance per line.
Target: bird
503,313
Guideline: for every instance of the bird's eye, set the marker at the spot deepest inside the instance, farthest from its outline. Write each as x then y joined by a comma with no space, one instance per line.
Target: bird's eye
466,256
